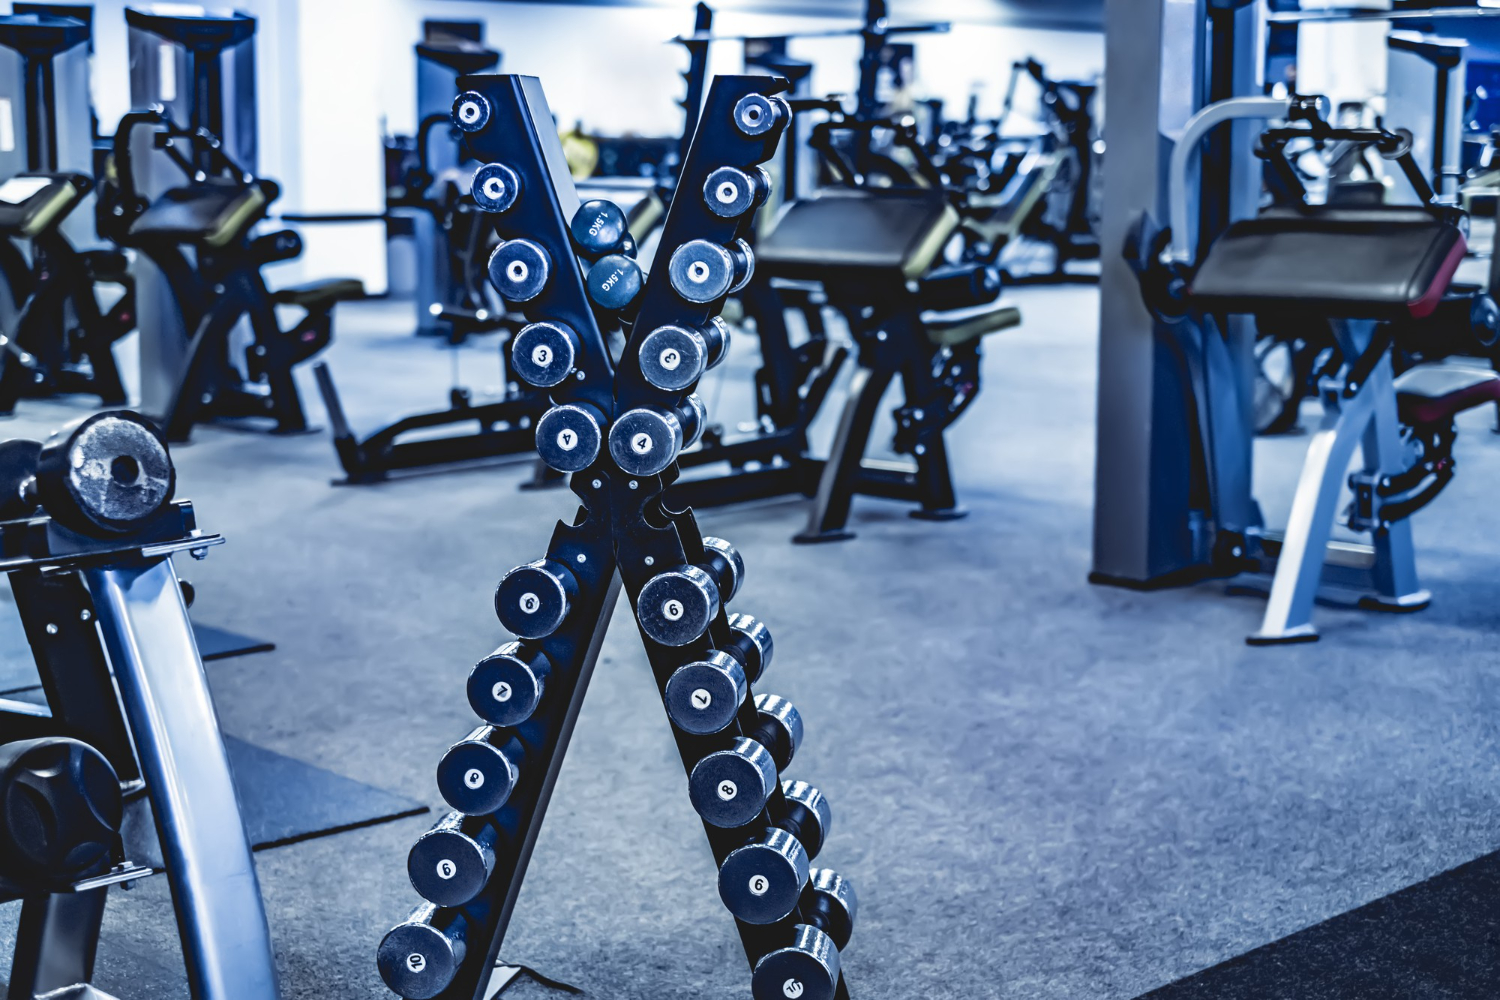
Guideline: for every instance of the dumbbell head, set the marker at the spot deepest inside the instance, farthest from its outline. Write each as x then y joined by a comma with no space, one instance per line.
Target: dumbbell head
756,114
806,969
568,437
506,687
105,475
495,187
727,564
520,269
730,192
675,607
418,959
544,353
475,776
646,440
751,644
703,271
448,866
808,816
761,882
614,282
60,809
599,227
729,788
779,728
533,600
704,696
673,357
471,112
18,462
830,903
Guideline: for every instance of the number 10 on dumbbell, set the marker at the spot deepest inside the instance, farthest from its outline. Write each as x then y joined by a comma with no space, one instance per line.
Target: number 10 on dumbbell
617,424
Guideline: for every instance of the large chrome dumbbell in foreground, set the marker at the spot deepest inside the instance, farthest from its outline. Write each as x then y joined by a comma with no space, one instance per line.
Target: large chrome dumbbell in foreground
620,416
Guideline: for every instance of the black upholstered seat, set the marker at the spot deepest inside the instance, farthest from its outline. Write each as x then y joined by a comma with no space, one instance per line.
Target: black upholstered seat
210,214
959,326
1436,393
317,294
873,235
1376,262
33,202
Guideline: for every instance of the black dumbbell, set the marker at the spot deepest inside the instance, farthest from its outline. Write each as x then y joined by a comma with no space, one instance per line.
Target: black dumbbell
477,774
648,439
702,271
598,228
450,864
533,600
756,114
495,187
778,729
704,697
730,192
543,354
60,809
471,112
750,644
568,437
506,687
105,475
761,882
673,357
676,606
730,788
807,968
18,462
419,958
520,269
614,282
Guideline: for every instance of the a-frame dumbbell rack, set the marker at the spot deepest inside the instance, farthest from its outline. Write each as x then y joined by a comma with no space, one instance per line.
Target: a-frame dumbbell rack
609,413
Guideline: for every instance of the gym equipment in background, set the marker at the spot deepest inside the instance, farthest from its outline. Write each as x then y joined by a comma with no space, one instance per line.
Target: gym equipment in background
58,340
1379,276
619,430
199,237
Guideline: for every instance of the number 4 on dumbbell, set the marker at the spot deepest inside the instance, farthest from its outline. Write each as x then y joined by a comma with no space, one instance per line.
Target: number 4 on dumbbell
617,426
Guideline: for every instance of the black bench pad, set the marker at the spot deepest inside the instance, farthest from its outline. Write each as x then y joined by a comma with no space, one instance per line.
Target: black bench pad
1434,394
876,235
959,326
317,294
212,214
36,201
1377,262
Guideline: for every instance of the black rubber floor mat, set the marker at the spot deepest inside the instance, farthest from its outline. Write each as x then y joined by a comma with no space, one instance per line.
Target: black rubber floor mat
284,800
1437,940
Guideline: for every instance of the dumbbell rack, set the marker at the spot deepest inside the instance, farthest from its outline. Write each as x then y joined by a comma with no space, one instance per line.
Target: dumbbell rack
622,535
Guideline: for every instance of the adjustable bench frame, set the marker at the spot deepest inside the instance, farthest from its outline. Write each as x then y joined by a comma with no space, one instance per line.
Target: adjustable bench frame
622,535
78,598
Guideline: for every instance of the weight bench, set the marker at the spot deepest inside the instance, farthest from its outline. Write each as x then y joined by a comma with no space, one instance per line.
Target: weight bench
1375,273
877,256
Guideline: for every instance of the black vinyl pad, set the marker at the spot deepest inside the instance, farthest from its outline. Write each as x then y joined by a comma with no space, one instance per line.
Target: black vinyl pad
27,197
866,234
1380,263
196,213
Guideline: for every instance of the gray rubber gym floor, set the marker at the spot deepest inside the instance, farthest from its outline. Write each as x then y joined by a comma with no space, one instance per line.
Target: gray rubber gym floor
1042,789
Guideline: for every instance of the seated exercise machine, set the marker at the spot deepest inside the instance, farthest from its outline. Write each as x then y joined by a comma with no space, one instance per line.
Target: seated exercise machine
123,773
61,340
619,433
201,235
1379,276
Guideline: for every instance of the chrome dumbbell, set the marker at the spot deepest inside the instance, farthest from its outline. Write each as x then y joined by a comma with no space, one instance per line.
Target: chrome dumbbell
761,882
673,356
807,968
648,439
676,606
477,774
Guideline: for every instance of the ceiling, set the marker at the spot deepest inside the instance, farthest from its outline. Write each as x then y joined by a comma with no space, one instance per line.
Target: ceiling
1083,15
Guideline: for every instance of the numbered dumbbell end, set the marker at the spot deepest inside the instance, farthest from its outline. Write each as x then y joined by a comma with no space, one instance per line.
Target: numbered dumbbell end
534,600
598,228
477,774
761,882
495,187
647,440
703,697
676,606
673,357
730,788
779,728
106,475
543,354
702,271
520,269
806,969
727,566
568,437
419,958
506,687
807,816
751,644
730,192
450,864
